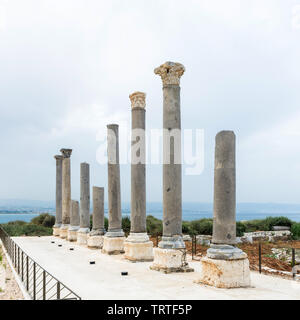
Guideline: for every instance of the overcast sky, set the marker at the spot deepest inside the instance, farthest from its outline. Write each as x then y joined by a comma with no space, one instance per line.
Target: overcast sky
68,66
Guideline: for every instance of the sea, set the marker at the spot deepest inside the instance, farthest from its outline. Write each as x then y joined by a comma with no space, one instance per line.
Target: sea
190,211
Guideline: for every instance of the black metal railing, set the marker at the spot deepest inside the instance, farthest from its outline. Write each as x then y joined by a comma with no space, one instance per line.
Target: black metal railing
39,283
293,260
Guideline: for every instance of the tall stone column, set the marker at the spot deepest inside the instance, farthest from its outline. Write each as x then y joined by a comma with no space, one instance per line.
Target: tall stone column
66,192
95,239
114,238
137,246
170,256
230,262
74,221
58,211
82,233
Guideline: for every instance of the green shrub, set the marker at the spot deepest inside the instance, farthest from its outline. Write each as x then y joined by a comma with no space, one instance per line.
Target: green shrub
240,229
27,229
254,225
202,226
296,231
44,219
154,225
186,227
270,222
126,225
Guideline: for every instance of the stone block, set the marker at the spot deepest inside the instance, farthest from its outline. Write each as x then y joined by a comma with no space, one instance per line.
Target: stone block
225,273
135,251
72,235
56,231
113,245
95,242
170,260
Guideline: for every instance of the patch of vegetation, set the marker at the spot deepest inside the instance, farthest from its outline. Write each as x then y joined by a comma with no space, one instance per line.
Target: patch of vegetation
38,226
44,219
296,231
154,226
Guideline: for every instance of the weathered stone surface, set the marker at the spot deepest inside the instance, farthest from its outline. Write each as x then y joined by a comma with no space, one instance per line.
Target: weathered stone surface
84,195
74,221
114,188
225,252
82,236
98,212
58,211
56,231
72,235
170,260
138,160
271,236
66,191
171,73
113,245
224,225
281,228
95,241
138,251
64,231
225,273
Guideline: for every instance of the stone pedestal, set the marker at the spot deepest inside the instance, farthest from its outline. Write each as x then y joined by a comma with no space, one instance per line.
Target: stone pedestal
170,260
95,241
82,236
64,231
225,273
56,231
138,247
113,245
72,233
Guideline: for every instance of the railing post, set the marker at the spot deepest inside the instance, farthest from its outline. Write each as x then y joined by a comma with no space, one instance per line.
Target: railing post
18,260
192,247
44,285
293,262
22,274
34,281
157,240
27,273
58,291
259,257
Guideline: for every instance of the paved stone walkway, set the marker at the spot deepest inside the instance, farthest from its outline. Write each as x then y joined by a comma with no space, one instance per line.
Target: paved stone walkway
103,279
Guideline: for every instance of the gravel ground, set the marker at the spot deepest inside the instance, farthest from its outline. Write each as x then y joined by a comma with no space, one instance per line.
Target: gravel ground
9,289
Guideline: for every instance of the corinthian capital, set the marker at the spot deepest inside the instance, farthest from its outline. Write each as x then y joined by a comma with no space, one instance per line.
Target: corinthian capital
170,72
66,152
138,100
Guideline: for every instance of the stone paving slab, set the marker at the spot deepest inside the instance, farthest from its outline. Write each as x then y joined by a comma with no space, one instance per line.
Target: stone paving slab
103,279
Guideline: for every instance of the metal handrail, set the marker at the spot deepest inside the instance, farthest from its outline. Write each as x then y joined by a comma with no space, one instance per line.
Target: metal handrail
30,271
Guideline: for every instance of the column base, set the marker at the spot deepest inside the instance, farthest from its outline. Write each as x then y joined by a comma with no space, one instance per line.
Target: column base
56,231
95,242
225,273
173,242
64,231
170,260
72,233
82,236
113,245
138,251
